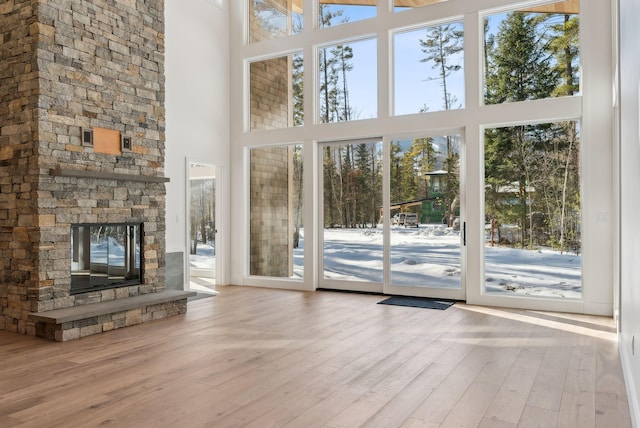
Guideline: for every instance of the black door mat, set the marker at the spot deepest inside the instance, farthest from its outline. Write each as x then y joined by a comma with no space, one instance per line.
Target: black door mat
417,302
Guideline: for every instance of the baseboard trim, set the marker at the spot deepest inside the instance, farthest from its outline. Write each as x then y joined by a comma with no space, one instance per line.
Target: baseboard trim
632,390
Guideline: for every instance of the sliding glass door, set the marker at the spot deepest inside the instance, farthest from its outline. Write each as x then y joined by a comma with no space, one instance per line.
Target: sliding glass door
427,227
351,236
410,245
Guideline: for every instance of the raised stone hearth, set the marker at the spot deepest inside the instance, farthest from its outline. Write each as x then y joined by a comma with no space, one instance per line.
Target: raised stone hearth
81,143
83,320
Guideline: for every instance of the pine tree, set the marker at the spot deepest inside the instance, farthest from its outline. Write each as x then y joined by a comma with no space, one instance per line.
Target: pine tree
441,47
334,67
327,63
396,172
368,185
564,45
343,54
520,68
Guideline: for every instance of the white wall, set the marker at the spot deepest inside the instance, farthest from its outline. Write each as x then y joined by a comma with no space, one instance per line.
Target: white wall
197,103
630,200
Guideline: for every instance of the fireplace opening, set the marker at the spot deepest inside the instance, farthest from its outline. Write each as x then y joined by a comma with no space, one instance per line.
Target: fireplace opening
105,256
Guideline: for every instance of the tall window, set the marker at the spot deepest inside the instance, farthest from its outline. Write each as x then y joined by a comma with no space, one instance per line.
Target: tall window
276,92
530,55
496,91
270,19
336,13
533,242
352,196
347,81
425,183
428,69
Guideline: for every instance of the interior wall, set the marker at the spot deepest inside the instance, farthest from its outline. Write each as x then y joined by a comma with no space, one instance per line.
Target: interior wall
630,200
197,104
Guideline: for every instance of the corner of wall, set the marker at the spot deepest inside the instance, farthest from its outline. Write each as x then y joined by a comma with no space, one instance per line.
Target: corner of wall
632,388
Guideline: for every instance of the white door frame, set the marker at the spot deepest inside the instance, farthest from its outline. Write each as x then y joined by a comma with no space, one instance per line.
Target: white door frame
435,292
219,177
385,287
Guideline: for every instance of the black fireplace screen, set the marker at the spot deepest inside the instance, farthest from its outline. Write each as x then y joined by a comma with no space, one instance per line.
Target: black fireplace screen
105,256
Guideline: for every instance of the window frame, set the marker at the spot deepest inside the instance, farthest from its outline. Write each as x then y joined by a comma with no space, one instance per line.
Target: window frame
592,107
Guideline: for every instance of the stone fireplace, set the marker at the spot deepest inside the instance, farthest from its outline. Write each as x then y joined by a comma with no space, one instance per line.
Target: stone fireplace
81,146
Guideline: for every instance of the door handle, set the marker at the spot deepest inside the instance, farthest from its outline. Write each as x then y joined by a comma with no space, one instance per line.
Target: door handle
464,233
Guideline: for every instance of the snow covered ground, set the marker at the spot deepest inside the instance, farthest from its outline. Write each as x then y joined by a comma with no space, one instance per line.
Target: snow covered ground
430,257
205,257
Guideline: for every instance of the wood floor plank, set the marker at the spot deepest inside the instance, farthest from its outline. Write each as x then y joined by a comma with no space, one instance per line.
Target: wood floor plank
546,392
577,409
536,417
256,357
612,410
470,407
511,397
447,391
492,423
385,379
409,376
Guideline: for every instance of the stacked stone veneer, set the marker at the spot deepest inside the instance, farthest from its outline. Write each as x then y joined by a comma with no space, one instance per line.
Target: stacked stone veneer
65,66
271,232
270,94
100,323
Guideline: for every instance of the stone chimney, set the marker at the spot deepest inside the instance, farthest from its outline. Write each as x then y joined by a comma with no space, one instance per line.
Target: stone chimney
82,122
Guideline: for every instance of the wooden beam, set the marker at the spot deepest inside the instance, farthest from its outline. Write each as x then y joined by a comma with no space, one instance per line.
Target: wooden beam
568,7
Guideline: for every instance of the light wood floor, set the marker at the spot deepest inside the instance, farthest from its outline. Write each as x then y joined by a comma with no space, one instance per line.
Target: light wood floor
261,358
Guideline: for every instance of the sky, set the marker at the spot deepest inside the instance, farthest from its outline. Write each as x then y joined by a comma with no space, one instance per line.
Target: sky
411,76
416,86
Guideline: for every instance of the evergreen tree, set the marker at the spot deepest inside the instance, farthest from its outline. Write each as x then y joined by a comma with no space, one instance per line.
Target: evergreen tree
327,63
368,185
520,65
564,44
409,177
334,67
396,172
441,45
520,68
347,185
423,156
488,44
343,54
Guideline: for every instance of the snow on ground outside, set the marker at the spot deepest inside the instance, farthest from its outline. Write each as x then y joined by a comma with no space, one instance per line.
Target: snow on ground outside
205,257
430,257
